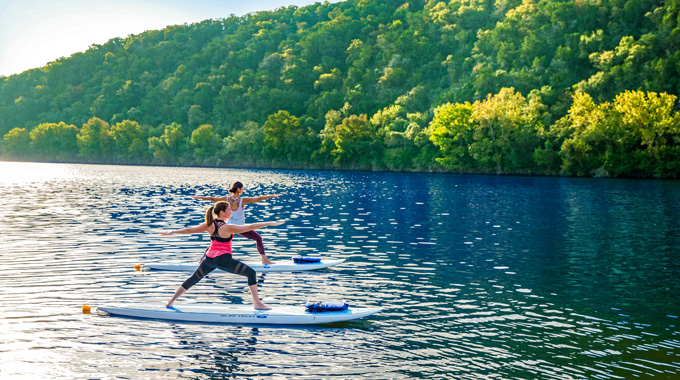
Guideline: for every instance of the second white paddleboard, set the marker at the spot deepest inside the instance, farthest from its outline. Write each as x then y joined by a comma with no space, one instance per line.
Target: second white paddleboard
190,266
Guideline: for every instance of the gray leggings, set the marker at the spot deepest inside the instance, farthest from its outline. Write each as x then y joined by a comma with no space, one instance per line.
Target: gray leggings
224,262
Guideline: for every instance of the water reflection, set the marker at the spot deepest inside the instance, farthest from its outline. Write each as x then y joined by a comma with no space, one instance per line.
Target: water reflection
24,173
481,277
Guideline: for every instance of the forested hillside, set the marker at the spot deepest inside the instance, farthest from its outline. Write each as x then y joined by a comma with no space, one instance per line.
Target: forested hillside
582,88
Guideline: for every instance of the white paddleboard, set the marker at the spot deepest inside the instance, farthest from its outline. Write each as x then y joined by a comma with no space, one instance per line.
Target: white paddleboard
240,314
290,266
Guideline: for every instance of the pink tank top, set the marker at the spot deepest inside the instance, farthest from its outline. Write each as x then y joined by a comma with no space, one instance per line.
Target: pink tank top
218,245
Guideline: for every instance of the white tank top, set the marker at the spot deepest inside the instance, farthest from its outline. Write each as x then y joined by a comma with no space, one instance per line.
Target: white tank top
238,217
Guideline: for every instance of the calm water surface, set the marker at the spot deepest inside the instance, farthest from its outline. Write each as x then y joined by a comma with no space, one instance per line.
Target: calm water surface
481,277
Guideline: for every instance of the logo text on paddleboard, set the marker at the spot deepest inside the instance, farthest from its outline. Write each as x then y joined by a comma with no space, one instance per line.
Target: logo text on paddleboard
242,316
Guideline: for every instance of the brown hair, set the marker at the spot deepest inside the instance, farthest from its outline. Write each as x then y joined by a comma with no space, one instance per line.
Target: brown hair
215,210
237,185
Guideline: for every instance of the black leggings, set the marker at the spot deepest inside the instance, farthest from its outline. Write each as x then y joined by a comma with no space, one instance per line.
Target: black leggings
224,262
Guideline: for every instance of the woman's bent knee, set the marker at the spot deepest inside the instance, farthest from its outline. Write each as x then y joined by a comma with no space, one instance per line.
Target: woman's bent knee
252,276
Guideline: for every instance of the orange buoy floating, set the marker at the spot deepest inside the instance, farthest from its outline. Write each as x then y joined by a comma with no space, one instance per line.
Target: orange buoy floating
138,267
86,309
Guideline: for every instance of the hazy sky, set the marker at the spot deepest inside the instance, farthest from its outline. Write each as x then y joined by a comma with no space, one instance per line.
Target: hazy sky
35,32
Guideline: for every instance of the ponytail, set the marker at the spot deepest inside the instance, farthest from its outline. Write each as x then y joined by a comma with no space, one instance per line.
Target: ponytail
209,217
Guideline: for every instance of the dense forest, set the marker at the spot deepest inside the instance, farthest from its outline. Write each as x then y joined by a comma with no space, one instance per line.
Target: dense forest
554,87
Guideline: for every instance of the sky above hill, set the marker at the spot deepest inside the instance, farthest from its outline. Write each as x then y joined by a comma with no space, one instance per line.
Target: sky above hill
35,32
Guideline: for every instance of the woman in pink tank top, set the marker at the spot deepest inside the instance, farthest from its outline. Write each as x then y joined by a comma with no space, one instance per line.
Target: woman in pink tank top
218,255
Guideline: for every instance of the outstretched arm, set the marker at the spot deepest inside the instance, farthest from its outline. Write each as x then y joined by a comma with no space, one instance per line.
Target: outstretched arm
260,198
189,230
212,199
237,229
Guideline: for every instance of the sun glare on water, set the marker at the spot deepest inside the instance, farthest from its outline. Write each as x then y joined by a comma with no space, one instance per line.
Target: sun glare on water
22,172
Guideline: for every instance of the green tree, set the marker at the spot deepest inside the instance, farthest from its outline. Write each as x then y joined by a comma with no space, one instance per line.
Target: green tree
505,137
170,147
196,116
286,140
324,155
244,146
329,81
131,142
648,134
583,119
635,135
17,143
51,141
95,141
355,142
280,130
204,144
451,130
390,118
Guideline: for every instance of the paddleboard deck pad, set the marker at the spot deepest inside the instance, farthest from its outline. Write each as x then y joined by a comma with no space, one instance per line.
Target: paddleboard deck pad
238,314
290,266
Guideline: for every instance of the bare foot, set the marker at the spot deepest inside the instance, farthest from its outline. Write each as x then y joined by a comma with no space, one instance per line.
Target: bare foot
261,306
265,260
168,305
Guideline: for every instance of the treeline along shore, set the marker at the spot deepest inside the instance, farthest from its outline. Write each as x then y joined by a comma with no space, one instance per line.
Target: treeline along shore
577,88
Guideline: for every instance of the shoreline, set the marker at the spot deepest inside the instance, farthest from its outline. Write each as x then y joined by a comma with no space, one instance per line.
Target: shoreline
325,169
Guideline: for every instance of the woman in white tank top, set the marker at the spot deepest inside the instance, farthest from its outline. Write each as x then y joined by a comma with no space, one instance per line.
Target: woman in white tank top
238,213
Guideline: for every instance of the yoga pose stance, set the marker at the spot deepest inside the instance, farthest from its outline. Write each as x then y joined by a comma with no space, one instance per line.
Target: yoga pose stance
218,254
238,215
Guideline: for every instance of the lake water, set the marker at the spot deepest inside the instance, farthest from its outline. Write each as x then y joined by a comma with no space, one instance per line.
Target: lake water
481,277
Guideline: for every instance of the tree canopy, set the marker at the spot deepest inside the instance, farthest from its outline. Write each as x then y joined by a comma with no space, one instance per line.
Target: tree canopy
518,86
